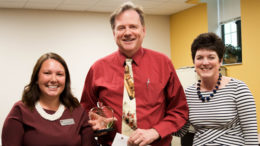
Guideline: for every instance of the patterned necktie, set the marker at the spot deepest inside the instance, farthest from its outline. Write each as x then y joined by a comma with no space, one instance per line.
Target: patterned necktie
129,105
129,80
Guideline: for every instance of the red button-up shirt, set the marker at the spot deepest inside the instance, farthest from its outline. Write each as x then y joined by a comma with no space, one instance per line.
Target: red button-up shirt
160,99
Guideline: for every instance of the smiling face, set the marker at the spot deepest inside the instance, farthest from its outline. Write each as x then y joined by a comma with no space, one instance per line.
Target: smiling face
207,64
128,32
51,79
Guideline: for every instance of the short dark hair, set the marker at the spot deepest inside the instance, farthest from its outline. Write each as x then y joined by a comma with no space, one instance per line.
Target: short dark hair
32,92
123,8
209,41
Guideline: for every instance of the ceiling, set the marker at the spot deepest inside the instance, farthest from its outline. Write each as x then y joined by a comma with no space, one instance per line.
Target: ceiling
155,7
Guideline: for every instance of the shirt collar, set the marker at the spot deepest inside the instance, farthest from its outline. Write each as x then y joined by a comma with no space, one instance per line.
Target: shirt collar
136,58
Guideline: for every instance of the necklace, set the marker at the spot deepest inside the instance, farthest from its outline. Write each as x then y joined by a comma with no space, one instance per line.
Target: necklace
207,98
50,117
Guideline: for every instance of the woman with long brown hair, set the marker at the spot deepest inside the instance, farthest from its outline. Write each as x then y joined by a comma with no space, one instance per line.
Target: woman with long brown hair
48,113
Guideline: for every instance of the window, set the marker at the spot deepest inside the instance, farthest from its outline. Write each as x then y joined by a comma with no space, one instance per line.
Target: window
231,35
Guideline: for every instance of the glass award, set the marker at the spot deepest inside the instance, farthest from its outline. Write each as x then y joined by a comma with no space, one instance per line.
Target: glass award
104,117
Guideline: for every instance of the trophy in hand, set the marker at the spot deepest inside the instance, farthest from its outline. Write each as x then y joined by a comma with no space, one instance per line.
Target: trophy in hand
103,117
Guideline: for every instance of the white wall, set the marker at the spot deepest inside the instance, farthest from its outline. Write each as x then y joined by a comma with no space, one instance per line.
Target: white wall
79,37
213,24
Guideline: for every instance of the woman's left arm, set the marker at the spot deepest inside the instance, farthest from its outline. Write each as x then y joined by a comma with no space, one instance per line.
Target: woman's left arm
247,114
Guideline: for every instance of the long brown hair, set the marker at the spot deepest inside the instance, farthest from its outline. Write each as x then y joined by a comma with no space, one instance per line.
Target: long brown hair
32,92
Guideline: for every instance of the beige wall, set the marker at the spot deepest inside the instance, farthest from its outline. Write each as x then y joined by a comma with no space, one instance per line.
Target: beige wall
79,37
186,25
249,71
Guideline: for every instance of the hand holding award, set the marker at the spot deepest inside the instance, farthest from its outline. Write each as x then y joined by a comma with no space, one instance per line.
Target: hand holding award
102,119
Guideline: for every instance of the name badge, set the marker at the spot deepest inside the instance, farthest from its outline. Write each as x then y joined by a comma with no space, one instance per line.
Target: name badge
67,122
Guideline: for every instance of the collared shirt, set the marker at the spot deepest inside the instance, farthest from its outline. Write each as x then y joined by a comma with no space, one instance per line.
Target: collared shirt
160,99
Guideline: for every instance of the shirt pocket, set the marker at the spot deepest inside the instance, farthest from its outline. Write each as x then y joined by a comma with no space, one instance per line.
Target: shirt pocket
150,91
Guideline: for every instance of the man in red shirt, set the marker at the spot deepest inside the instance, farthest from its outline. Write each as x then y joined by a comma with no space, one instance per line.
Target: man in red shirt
161,106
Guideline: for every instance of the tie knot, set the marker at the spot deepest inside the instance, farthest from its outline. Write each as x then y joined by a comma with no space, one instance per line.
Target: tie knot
128,61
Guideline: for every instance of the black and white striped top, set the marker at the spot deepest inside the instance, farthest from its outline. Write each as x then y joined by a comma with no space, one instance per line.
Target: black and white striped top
229,118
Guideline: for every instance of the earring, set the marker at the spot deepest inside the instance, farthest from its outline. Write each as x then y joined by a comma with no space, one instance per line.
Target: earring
219,69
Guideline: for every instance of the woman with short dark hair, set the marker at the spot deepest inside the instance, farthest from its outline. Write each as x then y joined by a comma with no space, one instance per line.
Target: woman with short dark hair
221,109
